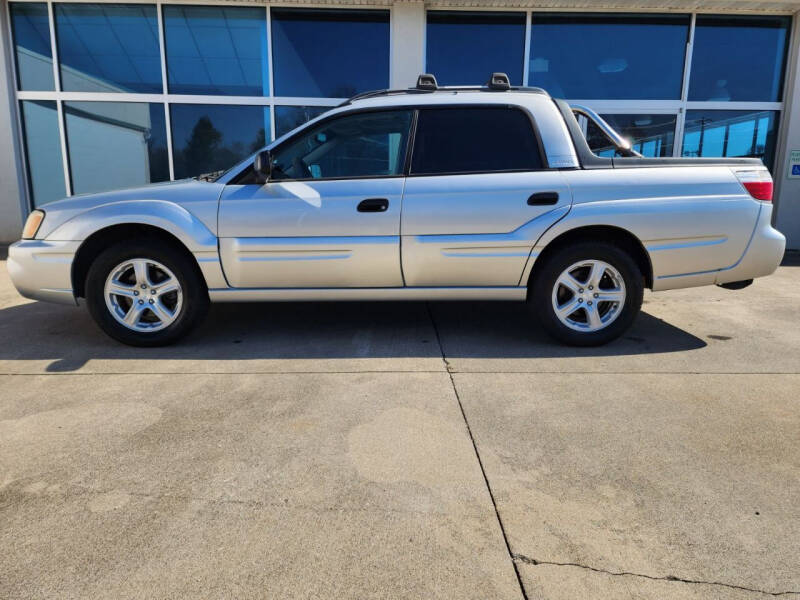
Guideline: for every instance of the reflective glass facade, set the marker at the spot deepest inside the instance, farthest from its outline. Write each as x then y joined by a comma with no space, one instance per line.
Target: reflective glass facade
108,47
137,156
42,151
236,77
329,53
33,56
638,57
465,47
650,135
739,58
731,133
213,137
215,50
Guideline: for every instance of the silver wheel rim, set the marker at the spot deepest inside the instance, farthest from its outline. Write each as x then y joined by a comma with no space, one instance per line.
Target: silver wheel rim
143,295
588,295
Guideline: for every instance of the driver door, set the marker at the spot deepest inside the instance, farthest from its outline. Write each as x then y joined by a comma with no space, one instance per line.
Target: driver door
330,214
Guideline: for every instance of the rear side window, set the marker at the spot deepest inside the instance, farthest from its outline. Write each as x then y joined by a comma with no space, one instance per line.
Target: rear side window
474,140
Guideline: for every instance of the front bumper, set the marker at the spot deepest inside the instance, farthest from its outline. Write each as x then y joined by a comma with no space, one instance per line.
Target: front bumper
42,270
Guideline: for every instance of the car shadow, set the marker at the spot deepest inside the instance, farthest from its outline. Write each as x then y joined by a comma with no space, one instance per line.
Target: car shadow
67,336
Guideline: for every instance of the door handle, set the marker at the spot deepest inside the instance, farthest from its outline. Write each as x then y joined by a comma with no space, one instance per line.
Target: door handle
373,205
543,198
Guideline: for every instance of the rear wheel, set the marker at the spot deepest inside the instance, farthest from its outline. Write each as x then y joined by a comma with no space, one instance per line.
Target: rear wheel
587,294
145,293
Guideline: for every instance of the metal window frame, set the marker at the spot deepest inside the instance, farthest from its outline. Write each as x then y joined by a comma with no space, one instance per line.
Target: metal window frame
678,107
165,98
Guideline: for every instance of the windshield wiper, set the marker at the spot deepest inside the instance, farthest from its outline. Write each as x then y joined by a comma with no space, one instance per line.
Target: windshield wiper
211,177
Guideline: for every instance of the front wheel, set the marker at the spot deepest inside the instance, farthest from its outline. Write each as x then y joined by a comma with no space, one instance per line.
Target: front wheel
145,293
587,294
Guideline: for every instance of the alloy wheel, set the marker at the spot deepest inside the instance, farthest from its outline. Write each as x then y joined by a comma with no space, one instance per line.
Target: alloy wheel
143,295
588,295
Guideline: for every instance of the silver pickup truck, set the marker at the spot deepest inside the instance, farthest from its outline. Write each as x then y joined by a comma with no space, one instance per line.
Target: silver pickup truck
429,193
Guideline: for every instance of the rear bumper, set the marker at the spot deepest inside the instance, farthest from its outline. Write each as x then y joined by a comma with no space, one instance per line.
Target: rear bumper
763,254
42,270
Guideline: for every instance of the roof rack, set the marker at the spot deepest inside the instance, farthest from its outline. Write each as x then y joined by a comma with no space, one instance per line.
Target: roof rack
426,84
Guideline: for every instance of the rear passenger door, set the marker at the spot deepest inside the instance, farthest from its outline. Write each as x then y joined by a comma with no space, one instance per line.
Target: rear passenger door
478,196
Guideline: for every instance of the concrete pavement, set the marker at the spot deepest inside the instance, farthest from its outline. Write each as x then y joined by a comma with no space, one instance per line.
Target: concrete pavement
394,450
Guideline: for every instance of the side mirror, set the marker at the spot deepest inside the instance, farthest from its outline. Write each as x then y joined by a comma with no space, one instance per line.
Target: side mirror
262,164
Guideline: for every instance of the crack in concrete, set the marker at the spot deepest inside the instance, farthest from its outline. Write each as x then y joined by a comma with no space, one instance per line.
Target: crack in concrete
477,454
521,558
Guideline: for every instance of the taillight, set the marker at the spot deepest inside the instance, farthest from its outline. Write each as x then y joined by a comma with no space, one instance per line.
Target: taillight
758,183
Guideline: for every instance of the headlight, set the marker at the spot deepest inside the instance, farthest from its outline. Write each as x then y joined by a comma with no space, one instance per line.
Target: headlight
32,224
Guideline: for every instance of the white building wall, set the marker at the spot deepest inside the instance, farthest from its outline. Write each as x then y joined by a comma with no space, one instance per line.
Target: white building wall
11,168
787,197
408,43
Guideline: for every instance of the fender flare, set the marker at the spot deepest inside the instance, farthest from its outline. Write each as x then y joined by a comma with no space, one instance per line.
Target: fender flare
161,214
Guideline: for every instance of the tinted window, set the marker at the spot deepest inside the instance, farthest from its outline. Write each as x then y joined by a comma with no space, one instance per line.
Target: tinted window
650,135
291,117
108,48
464,140
114,145
608,56
31,29
738,58
212,137
371,144
465,48
43,151
329,53
216,50
731,133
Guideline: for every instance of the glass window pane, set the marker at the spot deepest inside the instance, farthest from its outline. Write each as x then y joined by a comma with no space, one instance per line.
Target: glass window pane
371,144
34,57
108,48
466,48
329,53
43,151
650,135
291,117
731,133
468,140
113,145
216,50
608,56
738,58
212,137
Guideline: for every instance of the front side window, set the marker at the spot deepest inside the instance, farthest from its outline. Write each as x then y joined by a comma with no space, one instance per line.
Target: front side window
474,140
371,144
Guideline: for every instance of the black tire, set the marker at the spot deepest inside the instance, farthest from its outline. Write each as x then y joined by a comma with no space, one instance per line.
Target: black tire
194,303
546,274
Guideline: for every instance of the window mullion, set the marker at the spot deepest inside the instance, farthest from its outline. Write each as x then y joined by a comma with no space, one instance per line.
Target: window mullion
677,147
271,76
62,124
165,87
527,58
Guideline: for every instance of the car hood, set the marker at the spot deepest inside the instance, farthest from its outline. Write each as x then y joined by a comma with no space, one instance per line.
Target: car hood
198,197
